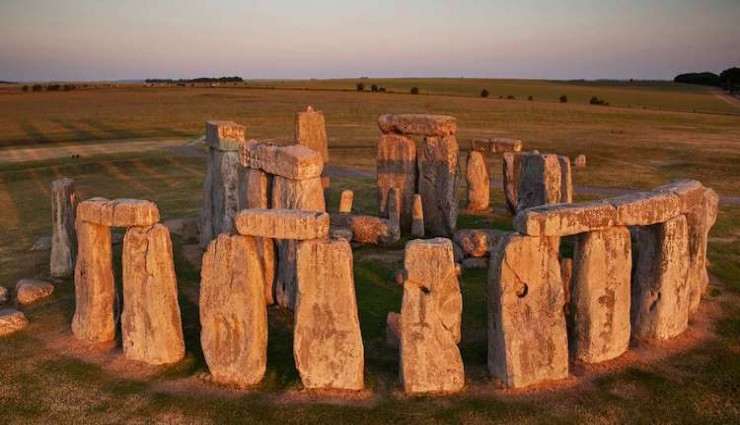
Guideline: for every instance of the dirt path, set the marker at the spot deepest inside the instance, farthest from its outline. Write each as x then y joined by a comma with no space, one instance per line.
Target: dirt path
85,149
729,99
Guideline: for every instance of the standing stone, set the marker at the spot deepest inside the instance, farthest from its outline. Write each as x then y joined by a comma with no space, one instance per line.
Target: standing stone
392,329
527,339
226,191
393,206
310,131
566,274
94,288
431,314
327,344
566,180
476,174
580,161
512,169
660,287
254,188
396,168
438,184
205,218
63,238
418,124
417,225
233,315
151,328
540,181
345,201
599,322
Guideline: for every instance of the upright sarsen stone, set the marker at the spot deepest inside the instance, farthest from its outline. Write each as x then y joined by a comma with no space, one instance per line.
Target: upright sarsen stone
310,131
476,174
438,184
512,168
327,344
254,188
396,168
63,238
417,215
540,181
151,328
566,180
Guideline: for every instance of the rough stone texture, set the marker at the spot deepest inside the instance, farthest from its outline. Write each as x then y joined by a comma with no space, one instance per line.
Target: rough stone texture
438,184
566,180
478,242
118,212
327,344
527,339
393,206
205,217
304,195
4,296
417,215
396,168
224,135
457,252
580,161
337,232
285,279
225,192
512,169
479,190
283,224
418,124
233,315
63,239
645,208
393,329
310,131
151,329
268,260
295,162
475,263
345,201
254,188
599,319
566,275
431,314
660,287
565,219
94,288
28,291
11,321
368,229
540,181
497,145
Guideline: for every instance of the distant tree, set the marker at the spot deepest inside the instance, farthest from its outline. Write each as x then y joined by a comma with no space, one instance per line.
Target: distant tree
69,87
414,90
500,96
511,97
530,98
24,88
53,87
381,89
730,79
596,101
484,93
563,99
360,86
37,87
701,78
374,88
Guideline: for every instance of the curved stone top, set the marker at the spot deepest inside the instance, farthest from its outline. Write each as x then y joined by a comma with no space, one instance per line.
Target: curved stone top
224,135
418,124
282,224
118,212
296,162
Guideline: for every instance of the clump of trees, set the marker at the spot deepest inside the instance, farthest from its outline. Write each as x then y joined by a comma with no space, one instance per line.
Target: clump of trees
50,87
530,98
360,86
597,101
484,93
729,79
194,80
511,97
563,99
414,90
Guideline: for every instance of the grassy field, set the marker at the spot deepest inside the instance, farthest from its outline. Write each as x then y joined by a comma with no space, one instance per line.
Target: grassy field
47,377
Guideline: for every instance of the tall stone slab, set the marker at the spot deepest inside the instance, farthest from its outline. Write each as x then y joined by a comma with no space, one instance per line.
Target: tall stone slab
527,339
438,184
417,215
327,344
566,180
310,131
94,287
393,206
599,319
479,190
660,288
63,238
396,168
254,188
151,327
205,218
540,181
233,315
430,324
512,169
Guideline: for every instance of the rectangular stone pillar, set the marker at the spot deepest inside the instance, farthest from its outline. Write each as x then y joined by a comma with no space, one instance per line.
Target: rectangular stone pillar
396,168
438,184
63,238
479,190
566,180
540,181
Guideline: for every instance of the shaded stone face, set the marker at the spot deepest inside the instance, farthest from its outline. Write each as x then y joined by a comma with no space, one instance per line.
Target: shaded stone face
660,286
63,238
304,195
151,328
478,242
94,288
254,188
393,205
225,192
205,218
566,180
540,181
527,341
310,131
233,315
392,329
327,344
396,168
283,224
476,174
418,125
512,168
368,229
438,184
599,319
417,214
565,219
118,212
431,314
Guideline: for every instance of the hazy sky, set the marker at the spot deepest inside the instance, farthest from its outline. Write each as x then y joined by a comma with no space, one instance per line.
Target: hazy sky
557,39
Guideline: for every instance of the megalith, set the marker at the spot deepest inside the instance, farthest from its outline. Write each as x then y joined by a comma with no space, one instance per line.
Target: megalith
540,181
396,168
438,184
476,174
63,237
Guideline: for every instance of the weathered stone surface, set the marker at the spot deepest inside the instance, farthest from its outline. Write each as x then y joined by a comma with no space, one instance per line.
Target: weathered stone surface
566,180
497,145
392,329
296,162
283,224
457,252
233,314
368,229
393,206
396,168
566,274
225,193
478,242
304,195
268,260
205,217
28,291
660,287
327,344
511,170
599,319
417,215
63,237
151,328
224,135
94,288
479,190
310,131
345,201
540,181
4,295
337,232
438,184
285,279
580,161
118,212
11,321
475,263
254,188
645,208
431,314
527,340
565,219
418,124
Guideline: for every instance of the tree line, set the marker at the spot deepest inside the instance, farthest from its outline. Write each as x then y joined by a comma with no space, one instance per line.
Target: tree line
729,79
200,80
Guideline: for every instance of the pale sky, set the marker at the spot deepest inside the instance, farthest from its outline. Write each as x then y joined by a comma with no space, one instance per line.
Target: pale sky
557,39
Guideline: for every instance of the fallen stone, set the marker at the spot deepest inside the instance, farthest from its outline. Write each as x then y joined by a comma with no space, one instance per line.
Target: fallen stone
417,224
645,208
438,185
118,212
393,329
418,124
28,291
345,201
295,162
327,344
233,314
565,219
478,242
224,135
304,195
310,131
42,244
580,161
368,229
283,224
476,175
527,339
540,181
566,180
396,168
254,188
475,263
63,238
11,321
